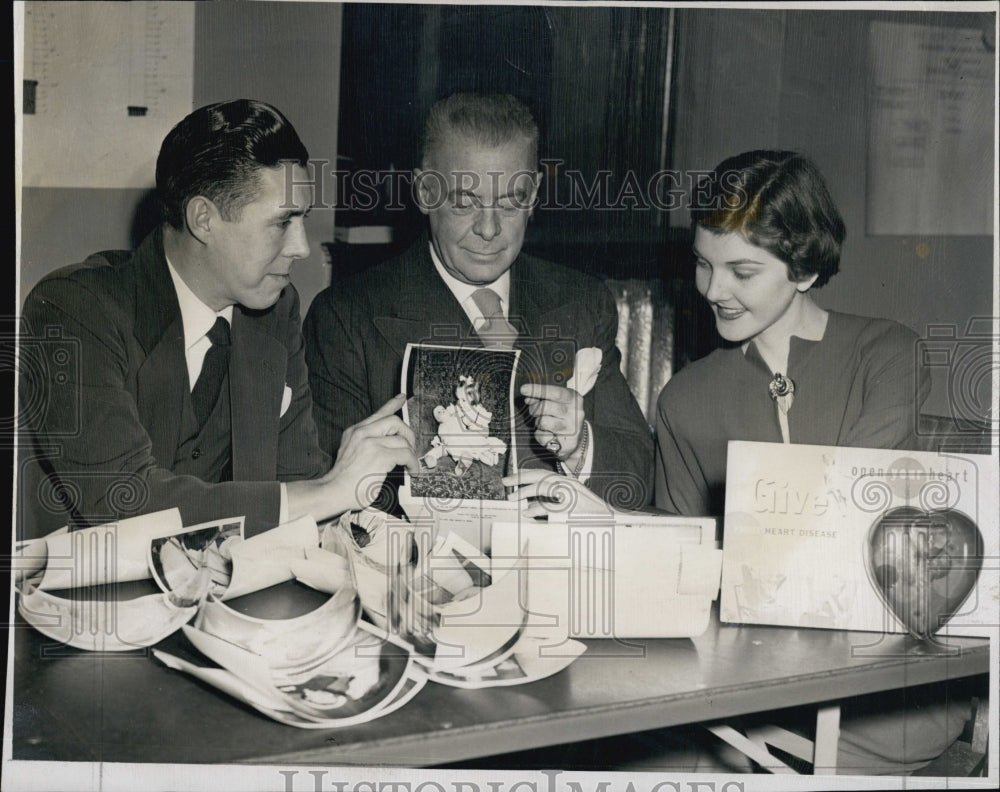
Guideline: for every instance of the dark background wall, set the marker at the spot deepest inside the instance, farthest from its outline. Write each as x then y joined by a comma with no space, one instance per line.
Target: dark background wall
799,80
615,88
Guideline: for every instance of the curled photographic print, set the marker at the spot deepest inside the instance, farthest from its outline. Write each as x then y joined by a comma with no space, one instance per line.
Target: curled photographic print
460,408
202,555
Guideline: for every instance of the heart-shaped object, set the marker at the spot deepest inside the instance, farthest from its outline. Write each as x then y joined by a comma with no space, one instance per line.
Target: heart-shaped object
924,564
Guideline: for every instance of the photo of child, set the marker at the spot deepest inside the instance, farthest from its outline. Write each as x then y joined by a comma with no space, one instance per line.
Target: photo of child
460,408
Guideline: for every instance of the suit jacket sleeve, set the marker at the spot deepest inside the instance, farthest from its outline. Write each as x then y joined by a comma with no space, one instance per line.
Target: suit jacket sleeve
338,369
85,419
622,472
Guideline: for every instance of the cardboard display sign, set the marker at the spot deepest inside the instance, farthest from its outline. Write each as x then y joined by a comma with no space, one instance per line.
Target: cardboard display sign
860,539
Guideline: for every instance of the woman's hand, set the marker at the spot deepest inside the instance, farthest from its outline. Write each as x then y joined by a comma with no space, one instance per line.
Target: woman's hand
554,495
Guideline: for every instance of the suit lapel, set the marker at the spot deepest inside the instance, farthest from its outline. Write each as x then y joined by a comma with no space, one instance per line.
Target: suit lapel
257,369
161,378
257,364
426,311
160,391
533,310
524,308
535,303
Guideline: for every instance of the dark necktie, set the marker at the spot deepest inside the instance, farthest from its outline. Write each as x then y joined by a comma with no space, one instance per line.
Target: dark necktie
496,330
213,371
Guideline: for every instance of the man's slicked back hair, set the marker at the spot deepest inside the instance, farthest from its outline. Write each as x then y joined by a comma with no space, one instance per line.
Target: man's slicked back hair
217,152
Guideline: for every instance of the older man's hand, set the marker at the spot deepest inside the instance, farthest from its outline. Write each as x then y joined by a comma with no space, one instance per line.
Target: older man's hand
558,416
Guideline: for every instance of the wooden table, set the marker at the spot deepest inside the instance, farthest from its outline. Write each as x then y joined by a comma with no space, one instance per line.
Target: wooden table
71,705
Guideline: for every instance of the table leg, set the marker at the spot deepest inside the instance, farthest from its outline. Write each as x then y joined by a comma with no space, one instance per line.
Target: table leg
789,742
821,752
827,739
757,753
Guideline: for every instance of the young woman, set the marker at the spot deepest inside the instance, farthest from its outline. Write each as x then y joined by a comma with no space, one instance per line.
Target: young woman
766,234
792,372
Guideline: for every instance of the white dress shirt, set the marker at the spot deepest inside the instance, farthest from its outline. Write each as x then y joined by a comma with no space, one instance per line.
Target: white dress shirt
197,319
463,292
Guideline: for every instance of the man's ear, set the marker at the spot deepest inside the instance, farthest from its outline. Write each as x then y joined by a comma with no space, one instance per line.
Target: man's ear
201,216
430,189
536,183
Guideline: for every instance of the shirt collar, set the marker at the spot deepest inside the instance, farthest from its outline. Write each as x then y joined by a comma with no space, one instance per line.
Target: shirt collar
196,317
463,291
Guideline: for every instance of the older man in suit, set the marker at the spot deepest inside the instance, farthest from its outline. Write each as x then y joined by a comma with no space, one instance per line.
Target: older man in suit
469,283
174,375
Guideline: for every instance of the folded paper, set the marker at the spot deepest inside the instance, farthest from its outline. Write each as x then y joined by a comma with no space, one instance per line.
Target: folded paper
466,612
103,625
285,643
31,556
529,660
322,570
489,623
111,553
267,558
187,563
359,676
627,576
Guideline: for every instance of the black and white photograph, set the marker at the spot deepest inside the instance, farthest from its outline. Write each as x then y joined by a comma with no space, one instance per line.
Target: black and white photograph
460,407
605,274
176,561
342,674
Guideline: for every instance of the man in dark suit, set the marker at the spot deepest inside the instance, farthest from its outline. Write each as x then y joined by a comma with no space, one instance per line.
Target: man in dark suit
174,375
469,281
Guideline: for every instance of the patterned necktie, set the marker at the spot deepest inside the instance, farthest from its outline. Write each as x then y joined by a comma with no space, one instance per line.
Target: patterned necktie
496,330
213,371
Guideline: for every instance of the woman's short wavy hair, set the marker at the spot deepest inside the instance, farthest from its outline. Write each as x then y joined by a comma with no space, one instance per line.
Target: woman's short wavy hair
778,201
